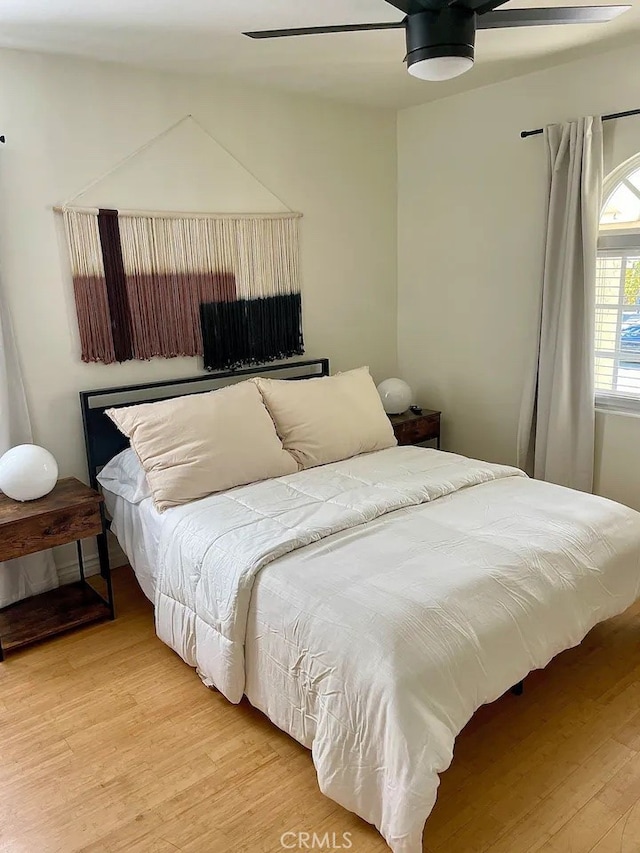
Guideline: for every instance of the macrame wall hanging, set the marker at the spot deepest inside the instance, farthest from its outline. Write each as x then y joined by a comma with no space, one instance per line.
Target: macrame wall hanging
222,286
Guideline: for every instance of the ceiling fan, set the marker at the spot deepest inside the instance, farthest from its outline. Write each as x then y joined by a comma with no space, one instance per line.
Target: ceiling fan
441,33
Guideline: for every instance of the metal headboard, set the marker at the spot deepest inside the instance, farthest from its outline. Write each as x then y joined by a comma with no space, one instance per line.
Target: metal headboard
102,438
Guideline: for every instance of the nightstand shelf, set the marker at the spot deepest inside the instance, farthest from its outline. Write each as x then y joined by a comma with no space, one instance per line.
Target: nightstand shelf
50,613
410,428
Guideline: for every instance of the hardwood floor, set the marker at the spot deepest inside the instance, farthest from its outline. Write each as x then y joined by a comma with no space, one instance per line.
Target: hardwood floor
108,742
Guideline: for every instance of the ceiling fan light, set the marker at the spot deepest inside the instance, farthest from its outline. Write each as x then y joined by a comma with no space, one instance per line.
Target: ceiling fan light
439,68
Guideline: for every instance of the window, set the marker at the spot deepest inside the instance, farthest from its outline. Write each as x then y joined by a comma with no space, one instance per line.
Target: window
617,367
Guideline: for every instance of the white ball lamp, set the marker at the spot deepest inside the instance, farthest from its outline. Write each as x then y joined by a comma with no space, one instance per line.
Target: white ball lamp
27,472
396,396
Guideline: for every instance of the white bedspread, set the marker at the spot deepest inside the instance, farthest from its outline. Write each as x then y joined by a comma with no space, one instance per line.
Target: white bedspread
137,528
403,590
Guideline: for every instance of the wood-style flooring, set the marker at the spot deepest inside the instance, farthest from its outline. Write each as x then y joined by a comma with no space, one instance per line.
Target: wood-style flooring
108,742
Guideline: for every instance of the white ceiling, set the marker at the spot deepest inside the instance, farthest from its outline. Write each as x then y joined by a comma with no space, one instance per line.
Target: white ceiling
206,36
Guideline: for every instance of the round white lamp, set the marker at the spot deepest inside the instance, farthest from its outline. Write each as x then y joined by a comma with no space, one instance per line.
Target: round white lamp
27,472
396,396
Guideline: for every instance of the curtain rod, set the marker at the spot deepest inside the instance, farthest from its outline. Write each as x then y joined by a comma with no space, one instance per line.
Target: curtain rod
526,133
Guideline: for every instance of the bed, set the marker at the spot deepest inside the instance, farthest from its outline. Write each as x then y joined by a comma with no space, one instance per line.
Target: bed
369,606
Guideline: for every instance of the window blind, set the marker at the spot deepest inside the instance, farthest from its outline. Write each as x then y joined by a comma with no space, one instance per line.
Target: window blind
617,325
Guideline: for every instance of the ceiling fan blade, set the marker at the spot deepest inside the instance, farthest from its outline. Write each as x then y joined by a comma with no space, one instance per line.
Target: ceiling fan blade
480,7
402,5
313,31
412,7
546,17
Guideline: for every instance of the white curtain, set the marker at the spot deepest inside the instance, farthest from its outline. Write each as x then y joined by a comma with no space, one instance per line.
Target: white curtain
35,573
556,434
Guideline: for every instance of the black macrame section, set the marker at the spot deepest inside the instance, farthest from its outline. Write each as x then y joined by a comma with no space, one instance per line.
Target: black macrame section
116,284
251,331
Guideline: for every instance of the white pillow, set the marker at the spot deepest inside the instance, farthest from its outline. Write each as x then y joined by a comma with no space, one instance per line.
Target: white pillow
193,446
330,418
124,476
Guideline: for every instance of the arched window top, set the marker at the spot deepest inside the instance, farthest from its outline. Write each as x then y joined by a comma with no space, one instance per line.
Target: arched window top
621,209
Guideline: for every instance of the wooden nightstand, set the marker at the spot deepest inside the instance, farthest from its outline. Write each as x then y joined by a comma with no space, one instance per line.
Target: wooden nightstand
70,513
414,429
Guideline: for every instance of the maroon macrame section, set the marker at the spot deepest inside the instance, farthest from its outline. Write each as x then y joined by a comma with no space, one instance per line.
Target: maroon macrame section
163,314
165,310
94,319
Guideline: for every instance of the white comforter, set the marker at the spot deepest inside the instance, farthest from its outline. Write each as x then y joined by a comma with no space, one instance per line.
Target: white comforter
403,590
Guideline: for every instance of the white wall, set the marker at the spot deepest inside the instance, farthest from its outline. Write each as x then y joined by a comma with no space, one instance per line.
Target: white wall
68,121
471,213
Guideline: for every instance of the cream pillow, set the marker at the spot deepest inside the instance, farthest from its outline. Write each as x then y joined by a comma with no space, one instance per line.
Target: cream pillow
330,418
193,446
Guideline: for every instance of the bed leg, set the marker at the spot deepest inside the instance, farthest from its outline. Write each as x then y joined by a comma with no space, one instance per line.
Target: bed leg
518,689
